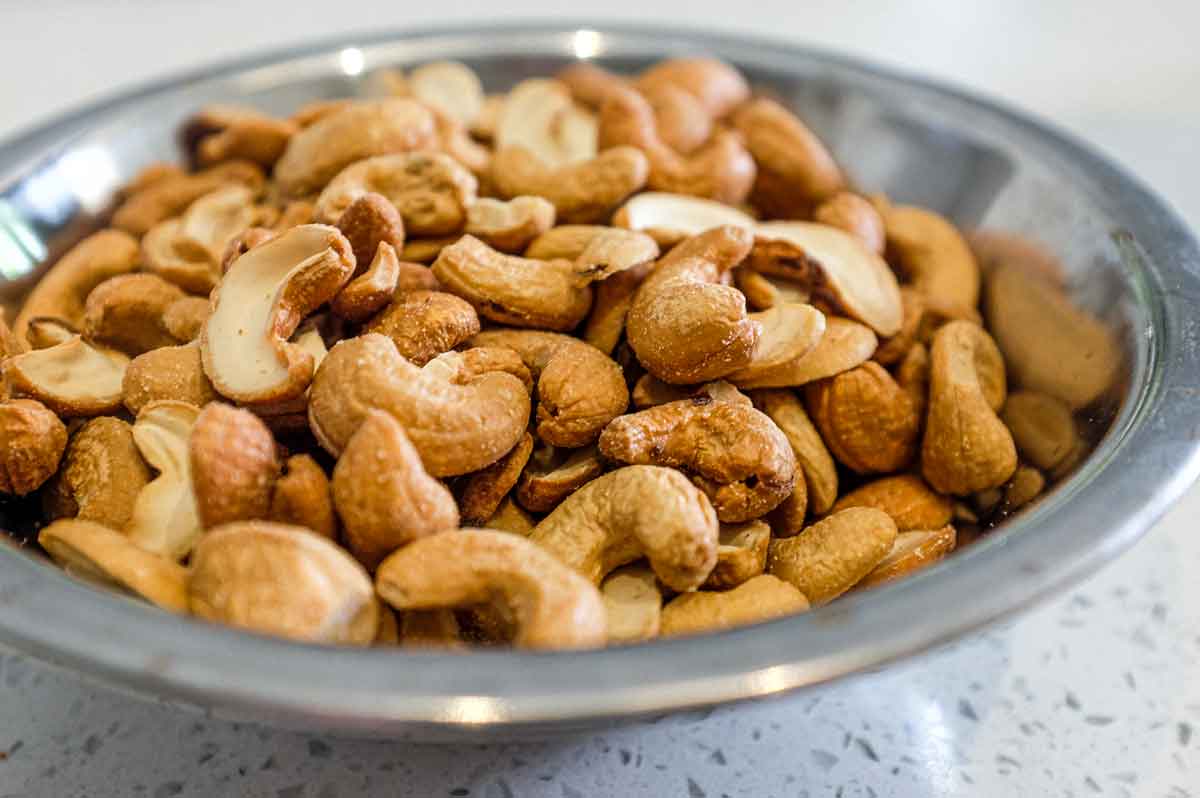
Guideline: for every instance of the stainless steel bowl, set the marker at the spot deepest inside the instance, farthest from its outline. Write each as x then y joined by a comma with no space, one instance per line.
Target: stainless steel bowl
1129,260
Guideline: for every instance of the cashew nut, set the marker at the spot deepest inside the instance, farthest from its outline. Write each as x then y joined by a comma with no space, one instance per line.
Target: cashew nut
265,294
72,378
762,598
967,448
651,391
368,221
126,313
741,554
912,551
509,226
234,465
165,519
670,218
866,419
812,456
633,512
934,256
716,85
539,116
857,216
302,497
449,86
1042,427
580,192
424,324
831,556
553,607
184,318
282,580
553,474
225,132
796,171
162,199
95,552
737,455
456,427
912,375
102,474
845,345
632,604
906,498
172,372
484,490
32,441
369,292
789,331
579,388
509,517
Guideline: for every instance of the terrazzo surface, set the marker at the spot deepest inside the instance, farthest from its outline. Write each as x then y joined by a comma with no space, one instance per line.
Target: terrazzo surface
1095,693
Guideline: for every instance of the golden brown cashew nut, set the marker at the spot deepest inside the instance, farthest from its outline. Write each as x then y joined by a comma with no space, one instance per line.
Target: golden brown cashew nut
424,324
610,307
795,170
302,497
351,133
857,216
126,313
906,498
184,319
165,519
187,250
95,552
867,420
911,552
737,455
684,326
169,197
263,297
717,86
72,378
812,456
632,604
431,191
579,388
282,580
741,554
509,226
636,511
369,292
63,290
721,170
457,427
102,474
553,606
762,598
32,441
370,220
234,465
831,556
172,372
224,132
650,391
383,494
682,122
539,116
554,474
484,490
930,251
845,345
512,290
789,331
1042,427
967,448
509,517
580,192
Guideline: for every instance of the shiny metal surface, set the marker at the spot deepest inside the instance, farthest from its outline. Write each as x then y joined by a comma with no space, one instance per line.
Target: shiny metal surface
1129,261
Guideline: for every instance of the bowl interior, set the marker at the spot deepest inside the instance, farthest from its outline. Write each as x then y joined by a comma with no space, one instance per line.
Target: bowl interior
916,142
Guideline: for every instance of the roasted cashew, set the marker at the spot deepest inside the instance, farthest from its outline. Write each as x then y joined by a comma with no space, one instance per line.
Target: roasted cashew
302,497
457,427
684,326
554,474
509,226
650,391
741,554
906,498
164,519
812,456
795,170
930,251
282,580
867,420
451,87
737,455
424,324
368,221
1042,427
633,512
32,441
168,197
670,218
967,448
857,216
632,604
261,300
102,474
484,490
911,552
789,331
234,465
224,132
717,86
72,378
580,192
369,292
126,313
184,318
579,388
553,607
172,372
762,598
539,116
831,556
845,345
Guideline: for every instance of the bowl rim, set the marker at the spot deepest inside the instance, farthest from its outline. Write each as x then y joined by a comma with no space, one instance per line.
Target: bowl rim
1141,467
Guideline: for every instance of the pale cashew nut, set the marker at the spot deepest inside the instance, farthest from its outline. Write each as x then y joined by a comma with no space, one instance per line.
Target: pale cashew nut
789,331
282,580
867,420
431,191
554,474
736,454
102,474
632,604
831,556
351,133
63,290
721,170
552,606
684,326
579,388
449,86
633,512
302,497
172,372
670,218
513,290
539,116
741,554
457,427
845,345
168,197
760,599
857,216
383,494
795,170
32,441
930,251
764,292
967,448
101,554
912,551
484,490
588,83
126,313
580,192
263,297
72,378
509,226
234,465
424,324
906,498
165,519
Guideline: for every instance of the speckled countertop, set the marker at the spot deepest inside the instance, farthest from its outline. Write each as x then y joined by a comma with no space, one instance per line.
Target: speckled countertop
1092,694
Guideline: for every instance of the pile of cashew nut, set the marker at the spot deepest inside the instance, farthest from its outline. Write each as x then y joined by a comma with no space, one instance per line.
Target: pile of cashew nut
602,358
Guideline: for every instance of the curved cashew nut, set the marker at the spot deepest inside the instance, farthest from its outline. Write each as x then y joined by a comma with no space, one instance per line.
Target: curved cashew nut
509,226
906,498
636,511
844,345
431,191
1042,427
717,86
812,456
370,220
670,218
102,474
456,427
224,132
234,465
580,192
554,607
32,441
171,195
184,318
632,604
736,454
449,86
930,251
351,133
63,290
857,216
539,116
126,313
684,326
741,554
868,421
165,519
513,290
911,552
282,580
580,389
72,378
369,292
302,497
484,490
553,474
834,554
265,294
424,324
967,448
383,494
760,599
721,170
172,372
